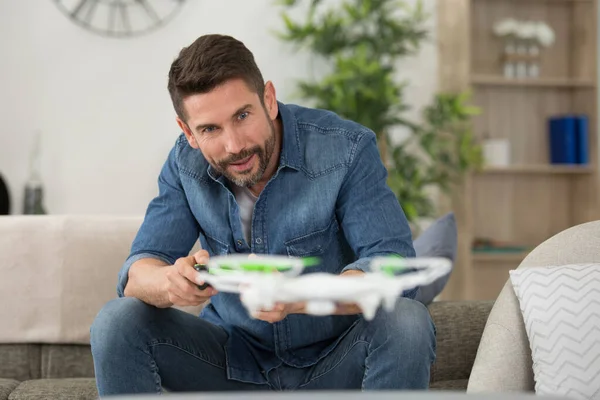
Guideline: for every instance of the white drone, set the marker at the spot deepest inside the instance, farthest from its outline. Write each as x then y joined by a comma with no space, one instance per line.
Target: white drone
263,281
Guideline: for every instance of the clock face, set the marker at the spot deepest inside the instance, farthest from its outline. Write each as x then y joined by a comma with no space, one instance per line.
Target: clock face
120,18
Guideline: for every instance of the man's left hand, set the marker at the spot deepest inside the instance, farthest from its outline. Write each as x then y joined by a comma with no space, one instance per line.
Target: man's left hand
280,311
349,308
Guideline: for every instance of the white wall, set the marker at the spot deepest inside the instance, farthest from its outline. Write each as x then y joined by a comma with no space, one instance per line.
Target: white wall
102,104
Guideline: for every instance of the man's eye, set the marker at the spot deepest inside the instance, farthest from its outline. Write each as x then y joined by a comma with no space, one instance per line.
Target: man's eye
209,129
243,115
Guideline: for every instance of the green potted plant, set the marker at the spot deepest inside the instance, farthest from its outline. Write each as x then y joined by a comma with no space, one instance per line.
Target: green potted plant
364,41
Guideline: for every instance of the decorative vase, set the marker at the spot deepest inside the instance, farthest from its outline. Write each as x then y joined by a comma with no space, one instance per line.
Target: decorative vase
533,70
33,201
521,68
496,152
4,198
509,61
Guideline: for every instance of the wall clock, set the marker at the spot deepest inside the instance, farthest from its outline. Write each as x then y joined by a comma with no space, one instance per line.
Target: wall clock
120,18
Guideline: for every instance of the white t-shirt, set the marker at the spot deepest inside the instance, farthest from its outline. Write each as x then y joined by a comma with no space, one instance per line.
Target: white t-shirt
246,201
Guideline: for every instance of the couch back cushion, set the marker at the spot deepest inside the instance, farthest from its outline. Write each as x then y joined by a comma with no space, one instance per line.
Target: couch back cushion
57,272
459,326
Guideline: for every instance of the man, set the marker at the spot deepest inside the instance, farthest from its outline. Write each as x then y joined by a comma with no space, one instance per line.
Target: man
252,175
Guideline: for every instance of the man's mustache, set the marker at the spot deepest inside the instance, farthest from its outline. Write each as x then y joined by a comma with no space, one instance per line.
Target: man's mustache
240,156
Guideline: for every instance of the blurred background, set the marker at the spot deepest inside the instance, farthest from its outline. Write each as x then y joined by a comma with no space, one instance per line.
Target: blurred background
483,108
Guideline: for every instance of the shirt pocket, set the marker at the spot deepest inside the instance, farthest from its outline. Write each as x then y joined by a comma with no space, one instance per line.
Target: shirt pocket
315,243
215,246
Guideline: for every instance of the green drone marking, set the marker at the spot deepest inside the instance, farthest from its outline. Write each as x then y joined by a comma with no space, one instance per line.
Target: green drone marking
311,261
258,265
394,269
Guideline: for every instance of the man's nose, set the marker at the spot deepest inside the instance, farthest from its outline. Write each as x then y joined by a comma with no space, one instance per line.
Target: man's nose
234,142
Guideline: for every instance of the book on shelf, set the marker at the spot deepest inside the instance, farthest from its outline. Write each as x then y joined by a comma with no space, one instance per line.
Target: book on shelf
568,139
483,245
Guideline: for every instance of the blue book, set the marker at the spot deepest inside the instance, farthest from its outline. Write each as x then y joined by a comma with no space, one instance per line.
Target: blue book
562,140
581,139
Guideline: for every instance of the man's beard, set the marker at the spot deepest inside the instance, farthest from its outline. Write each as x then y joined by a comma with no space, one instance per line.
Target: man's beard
247,178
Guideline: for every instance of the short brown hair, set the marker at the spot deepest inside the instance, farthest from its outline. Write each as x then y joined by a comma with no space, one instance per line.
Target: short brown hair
208,62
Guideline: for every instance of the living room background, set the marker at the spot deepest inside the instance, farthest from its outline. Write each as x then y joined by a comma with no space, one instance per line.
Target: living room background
102,106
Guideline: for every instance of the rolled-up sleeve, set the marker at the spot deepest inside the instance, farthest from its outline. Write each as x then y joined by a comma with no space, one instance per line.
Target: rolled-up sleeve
370,215
169,229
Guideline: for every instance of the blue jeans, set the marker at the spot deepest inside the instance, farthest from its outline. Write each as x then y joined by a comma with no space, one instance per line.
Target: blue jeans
138,348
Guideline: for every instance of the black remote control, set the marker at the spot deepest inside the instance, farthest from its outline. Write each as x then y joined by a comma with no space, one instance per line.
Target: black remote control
201,267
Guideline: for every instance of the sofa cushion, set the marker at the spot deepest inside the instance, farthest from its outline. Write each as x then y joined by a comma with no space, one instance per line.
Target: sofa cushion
19,361
56,301
6,387
560,310
67,361
438,240
42,389
459,325
456,384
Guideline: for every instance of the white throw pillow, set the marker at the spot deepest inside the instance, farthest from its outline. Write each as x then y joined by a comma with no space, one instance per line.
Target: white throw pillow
561,311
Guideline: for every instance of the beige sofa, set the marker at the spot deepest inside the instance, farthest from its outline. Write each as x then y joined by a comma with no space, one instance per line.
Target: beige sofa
503,362
56,272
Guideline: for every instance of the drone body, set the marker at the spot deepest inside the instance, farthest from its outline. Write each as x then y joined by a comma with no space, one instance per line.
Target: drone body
320,291
264,281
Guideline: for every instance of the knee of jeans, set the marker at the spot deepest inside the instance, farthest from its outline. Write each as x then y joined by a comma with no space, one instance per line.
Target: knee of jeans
409,324
120,318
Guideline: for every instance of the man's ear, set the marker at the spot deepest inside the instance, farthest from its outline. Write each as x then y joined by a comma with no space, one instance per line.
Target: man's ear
188,133
271,100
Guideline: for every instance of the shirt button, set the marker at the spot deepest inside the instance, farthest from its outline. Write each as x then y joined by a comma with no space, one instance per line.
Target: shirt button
239,242
258,241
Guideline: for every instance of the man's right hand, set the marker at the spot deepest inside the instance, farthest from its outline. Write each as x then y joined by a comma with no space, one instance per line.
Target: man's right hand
181,286
161,285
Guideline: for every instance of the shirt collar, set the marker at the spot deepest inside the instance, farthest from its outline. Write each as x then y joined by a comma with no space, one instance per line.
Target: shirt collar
290,147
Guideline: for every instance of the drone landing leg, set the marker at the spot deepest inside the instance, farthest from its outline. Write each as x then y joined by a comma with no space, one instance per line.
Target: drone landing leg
369,306
320,307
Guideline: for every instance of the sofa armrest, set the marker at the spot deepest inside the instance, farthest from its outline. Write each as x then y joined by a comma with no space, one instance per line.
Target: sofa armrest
504,362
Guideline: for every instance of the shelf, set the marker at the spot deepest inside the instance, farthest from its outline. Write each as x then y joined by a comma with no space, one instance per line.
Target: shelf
499,257
491,80
548,1
507,211
538,169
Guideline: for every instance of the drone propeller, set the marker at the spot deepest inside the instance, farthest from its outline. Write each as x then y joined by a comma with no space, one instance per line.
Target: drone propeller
390,265
426,268
266,264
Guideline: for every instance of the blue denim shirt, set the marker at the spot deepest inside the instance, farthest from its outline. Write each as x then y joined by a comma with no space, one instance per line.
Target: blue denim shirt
328,198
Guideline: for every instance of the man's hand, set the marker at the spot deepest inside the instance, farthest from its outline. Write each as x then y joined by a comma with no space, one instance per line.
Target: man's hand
349,308
162,285
352,272
280,311
180,281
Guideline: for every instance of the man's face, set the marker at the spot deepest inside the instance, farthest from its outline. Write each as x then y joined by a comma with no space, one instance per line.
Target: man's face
233,129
